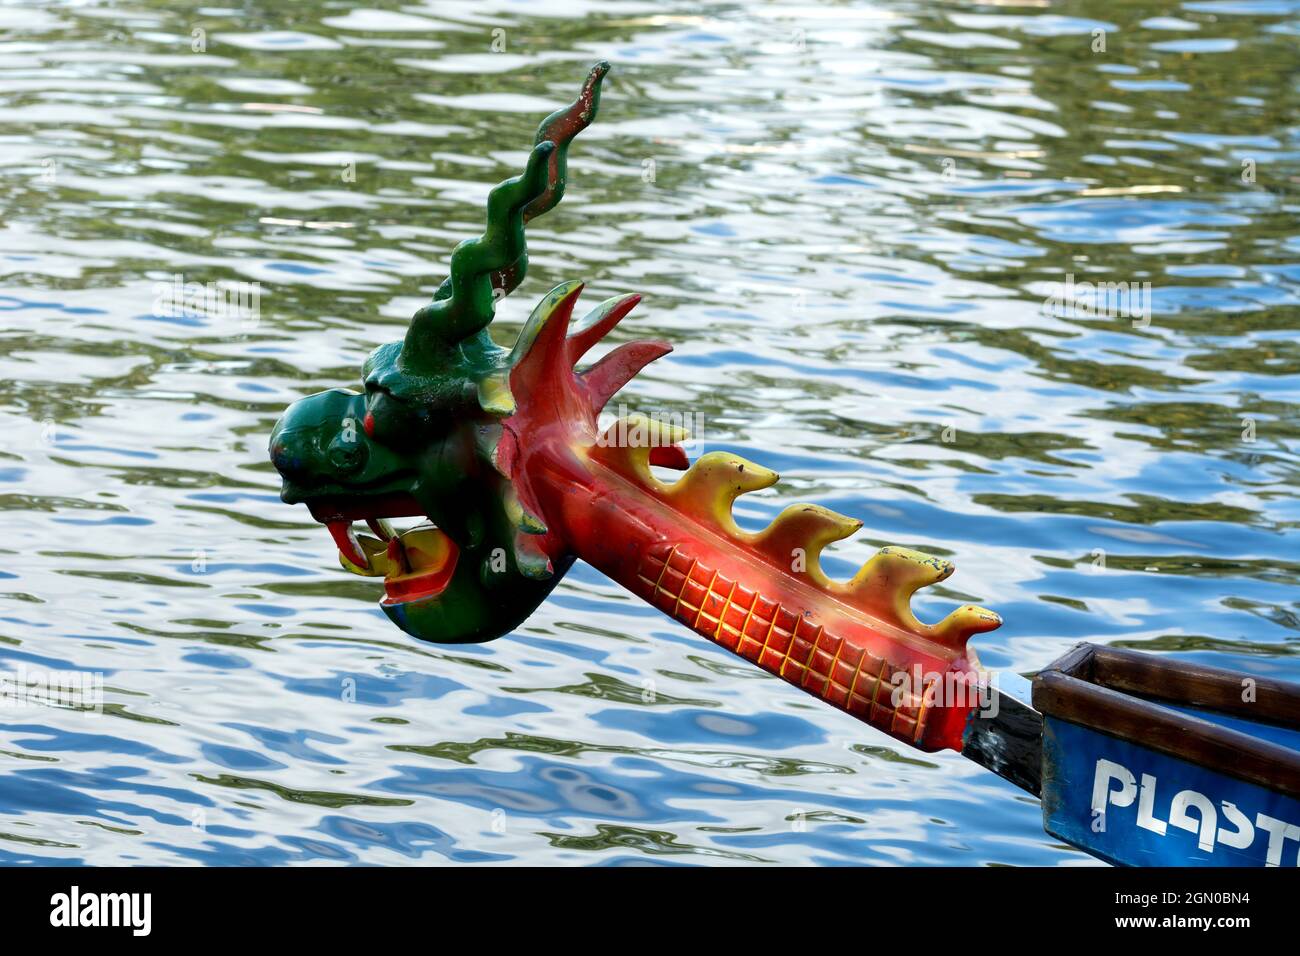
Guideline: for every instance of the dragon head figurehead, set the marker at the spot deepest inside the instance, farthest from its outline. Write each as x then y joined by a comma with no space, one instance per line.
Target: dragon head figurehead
429,435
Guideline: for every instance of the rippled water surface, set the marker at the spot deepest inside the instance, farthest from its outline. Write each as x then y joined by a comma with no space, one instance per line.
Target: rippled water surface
847,216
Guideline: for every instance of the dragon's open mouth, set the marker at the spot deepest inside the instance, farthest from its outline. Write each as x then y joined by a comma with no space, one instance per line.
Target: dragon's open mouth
417,563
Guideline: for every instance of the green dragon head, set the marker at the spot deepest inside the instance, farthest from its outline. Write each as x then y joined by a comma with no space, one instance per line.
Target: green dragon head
426,436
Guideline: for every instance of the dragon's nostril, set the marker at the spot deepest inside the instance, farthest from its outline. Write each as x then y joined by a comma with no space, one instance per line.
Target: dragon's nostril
346,453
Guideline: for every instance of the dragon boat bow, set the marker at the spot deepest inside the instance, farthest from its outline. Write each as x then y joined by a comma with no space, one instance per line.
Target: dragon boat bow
501,451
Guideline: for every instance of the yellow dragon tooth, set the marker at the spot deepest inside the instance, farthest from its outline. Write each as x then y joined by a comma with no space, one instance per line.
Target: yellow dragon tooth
796,538
954,630
625,446
711,485
521,517
531,560
885,584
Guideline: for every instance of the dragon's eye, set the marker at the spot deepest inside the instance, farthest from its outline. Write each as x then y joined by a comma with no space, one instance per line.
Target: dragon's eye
391,421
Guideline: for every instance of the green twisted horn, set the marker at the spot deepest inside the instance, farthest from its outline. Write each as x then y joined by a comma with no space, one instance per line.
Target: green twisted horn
491,266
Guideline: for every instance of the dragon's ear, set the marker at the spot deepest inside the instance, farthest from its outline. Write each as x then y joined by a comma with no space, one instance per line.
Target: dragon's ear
491,266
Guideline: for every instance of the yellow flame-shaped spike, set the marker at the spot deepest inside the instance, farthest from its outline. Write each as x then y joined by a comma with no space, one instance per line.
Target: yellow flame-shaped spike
885,584
793,543
798,535
955,629
625,447
711,485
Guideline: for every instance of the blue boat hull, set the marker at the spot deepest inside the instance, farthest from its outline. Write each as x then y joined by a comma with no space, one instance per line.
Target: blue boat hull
1138,807
1151,761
